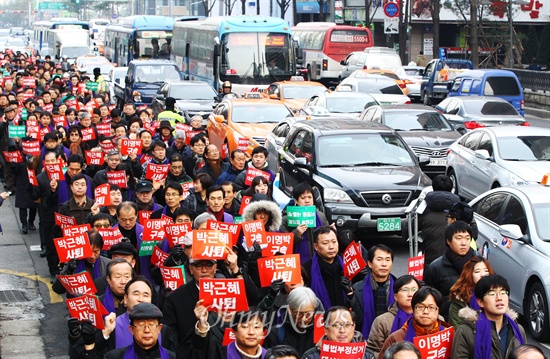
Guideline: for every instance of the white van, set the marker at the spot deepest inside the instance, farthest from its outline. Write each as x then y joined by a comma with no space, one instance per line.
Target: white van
371,58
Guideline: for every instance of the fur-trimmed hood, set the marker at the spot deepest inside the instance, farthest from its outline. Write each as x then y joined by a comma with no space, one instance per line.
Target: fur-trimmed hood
270,207
470,315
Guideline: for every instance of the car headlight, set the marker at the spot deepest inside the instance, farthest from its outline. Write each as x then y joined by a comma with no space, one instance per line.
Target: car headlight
516,180
137,96
336,196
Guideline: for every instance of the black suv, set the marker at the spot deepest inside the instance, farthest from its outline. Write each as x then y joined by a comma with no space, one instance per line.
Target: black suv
364,172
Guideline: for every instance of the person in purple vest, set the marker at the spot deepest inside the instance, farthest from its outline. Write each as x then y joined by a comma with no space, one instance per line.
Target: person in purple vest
75,165
215,200
119,272
373,295
144,197
173,194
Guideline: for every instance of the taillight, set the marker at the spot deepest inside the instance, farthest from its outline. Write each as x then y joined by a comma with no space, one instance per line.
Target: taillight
448,152
472,125
522,103
524,124
325,65
402,85
408,102
365,67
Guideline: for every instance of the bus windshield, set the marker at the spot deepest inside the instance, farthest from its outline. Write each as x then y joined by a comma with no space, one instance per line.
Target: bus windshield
256,58
153,44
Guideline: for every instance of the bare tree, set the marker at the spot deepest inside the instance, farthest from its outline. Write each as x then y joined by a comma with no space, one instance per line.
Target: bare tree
434,8
208,6
284,5
229,5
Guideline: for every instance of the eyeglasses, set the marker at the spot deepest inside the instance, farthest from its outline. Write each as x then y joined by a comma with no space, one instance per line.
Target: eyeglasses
500,293
307,314
339,326
143,325
408,290
422,307
207,265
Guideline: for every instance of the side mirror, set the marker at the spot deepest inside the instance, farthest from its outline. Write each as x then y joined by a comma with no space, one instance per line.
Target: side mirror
482,154
342,62
511,231
219,118
301,162
160,97
127,79
454,111
279,141
460,128
216,50
420,72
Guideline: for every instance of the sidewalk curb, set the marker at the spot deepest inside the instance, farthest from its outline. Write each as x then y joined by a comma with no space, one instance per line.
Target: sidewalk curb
538,112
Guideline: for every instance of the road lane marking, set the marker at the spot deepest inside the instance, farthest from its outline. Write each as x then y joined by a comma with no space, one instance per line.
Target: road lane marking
54,297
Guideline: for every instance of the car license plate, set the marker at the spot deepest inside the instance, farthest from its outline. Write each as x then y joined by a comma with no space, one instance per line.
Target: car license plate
388,224
438,162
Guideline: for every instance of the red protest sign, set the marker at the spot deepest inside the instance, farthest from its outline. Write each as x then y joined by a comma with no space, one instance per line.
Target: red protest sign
29,81
243,144
278,243
111,236
87,307
153,230
117,177
64,221
158,257
33,129
78,284
253,172
156,172
437,345
234,229
107,146
31,147
319,327
245,202
94,158
73,247
43,132
13,156
130,147
102,194
209,244
48,107
183,127
176,233
228,337
416,267
287,268
173,277
76,230
59,120
71,103
144,215
54,171
186,186
32,178
145,158
254,231
103,129
167,220
337,350
223,294
353,260
88,134
189,135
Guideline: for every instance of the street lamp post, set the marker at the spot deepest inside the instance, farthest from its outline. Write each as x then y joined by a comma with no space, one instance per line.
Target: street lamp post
511,25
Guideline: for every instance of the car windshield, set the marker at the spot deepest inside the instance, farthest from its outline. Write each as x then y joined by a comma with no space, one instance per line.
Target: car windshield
186,92
348,104
541,212
259,114
363,149
156,73
491,108
410,121
74,52
301,92
383,87
524,148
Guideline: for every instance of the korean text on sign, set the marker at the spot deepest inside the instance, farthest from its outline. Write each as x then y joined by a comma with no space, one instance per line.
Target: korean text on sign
435,346
286,268
87,307
335,350
254,231
353,260
416,267
223,294
281,243
298,215
176,233
233,228
73,247
77,284
173,277
209,244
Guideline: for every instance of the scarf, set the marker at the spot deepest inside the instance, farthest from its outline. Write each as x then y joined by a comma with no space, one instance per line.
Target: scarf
123,336
303,247
317,283
75,147
131,352
458,261
414,330
482,344
473,302
218,215
233,353
369,311
216,167
96,268
400,319
109,301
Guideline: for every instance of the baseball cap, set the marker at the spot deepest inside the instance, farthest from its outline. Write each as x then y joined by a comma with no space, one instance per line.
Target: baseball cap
144,186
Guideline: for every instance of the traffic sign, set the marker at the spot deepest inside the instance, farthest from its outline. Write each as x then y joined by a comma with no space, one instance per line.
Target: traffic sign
391,9
51,6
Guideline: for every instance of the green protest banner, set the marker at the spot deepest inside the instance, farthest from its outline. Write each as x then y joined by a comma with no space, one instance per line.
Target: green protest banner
16,131
147,247
298,215
90,85
238,219
24,114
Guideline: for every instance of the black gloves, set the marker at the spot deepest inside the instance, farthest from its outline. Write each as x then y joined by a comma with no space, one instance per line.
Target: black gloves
88,333
74,327
275,287
256,253
177,253
69,267
347,286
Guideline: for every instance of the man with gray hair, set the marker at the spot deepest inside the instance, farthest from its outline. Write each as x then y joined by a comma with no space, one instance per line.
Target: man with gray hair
297,323
402,350
178,145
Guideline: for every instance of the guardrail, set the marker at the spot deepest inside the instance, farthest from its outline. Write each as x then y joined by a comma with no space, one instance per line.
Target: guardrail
533,80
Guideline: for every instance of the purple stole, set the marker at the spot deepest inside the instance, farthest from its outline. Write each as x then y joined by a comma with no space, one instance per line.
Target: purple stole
144,261
131,353
317,283
109,301
483,339
411,333
302,247
227,218
82,267
232,352
400,319
63,191
369,311
473,303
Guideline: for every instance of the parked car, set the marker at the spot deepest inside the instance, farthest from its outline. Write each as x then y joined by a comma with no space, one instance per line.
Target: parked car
360,74
425,130
412,76
294,93
115,78
384,90
363,173
496,157
371,58
192,98
514,235
339,103
477,111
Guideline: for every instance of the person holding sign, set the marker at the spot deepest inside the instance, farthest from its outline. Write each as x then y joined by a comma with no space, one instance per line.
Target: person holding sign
159,156
79,205
340,328
213,164
113,159
258,162
398,313
172,196
8,144
425,320
177,172
75,165
492,333
119,272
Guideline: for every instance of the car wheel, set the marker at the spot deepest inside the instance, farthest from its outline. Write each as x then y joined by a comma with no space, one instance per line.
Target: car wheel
536,313
426,99
496,185
452,176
